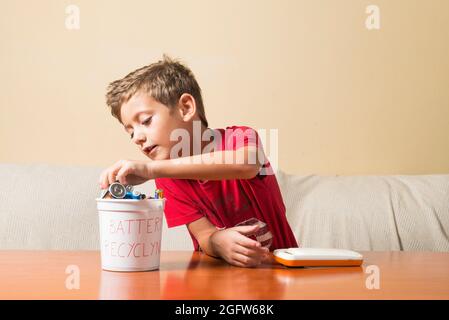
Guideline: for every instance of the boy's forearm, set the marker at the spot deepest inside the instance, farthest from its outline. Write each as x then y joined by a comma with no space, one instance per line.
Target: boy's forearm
244,164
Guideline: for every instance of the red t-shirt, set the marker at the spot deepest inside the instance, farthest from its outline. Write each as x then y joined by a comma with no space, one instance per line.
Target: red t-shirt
228,202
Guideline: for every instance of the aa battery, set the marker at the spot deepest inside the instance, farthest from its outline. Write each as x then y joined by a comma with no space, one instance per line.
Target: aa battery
158,194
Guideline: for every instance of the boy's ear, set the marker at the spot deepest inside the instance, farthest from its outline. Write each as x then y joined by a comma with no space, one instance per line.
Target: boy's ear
187,106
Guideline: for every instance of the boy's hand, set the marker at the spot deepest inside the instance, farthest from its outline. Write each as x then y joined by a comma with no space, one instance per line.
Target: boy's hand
132,172
237,249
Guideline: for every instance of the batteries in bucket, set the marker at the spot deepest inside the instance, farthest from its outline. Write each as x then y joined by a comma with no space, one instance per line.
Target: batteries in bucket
120,191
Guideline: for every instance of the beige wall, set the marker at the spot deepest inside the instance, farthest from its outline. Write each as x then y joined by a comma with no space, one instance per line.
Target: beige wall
346,100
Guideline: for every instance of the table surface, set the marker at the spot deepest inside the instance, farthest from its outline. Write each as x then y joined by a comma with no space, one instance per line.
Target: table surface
194,275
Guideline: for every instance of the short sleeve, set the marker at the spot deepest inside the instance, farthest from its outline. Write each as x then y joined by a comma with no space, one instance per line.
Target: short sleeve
241,136
179,208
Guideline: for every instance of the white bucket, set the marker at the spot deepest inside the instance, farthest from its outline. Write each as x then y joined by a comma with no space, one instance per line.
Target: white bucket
130,233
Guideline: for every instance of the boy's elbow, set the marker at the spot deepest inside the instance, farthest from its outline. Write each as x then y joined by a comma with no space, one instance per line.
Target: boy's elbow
251,162
249,171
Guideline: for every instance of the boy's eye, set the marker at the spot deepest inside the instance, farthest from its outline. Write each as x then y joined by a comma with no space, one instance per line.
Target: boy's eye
132,135
148,120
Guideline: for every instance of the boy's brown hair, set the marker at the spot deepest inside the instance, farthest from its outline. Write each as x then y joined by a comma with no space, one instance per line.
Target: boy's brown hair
165,81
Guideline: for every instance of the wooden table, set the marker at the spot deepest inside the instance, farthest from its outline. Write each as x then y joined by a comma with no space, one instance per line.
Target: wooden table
193,275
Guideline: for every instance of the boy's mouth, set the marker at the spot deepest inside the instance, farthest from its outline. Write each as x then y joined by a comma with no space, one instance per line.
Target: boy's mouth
147,150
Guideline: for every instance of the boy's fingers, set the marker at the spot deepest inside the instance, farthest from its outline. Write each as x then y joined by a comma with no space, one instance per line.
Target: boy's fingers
108,176
113,172
111,176
248,243
121,175
246,261
247,229
268,258
100,181
237,263
104,180
257,253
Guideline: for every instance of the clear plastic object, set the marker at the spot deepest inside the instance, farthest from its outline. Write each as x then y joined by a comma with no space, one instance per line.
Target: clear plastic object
263,234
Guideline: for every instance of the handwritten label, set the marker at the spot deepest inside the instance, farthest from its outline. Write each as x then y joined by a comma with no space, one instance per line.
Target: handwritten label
134,226
141,229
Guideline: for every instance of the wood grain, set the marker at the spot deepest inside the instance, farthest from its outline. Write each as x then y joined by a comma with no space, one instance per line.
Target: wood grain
193,275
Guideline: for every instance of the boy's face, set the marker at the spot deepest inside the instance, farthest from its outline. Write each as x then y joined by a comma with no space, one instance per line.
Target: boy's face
150,124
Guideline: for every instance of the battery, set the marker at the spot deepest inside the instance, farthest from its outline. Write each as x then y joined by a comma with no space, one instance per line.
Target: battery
117,190
137,195
134,195
104,193
158,194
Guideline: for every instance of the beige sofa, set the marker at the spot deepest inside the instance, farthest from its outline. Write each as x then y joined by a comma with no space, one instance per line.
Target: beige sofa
53,207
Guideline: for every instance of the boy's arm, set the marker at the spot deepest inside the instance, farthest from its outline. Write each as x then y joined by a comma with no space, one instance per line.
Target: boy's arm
243,163
229,244
202,230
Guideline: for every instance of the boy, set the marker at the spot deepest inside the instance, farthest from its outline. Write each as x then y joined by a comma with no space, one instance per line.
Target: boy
161,102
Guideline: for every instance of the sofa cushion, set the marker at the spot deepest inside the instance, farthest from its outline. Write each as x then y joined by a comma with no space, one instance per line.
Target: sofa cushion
52,207
397,212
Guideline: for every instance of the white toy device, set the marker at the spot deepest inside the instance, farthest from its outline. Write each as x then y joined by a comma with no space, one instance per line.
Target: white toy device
317,257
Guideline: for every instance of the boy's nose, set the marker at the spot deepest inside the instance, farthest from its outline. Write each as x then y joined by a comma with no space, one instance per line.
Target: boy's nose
139,137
